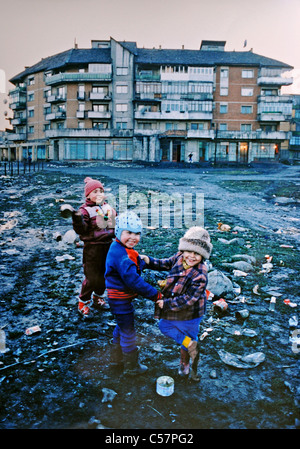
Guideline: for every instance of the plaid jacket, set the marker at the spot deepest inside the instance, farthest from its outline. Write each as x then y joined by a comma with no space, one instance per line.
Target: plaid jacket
184,292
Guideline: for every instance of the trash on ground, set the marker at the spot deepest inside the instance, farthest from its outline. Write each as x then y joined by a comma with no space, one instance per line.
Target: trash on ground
66,210
293,321
165,386
242,314
255,289
220,305
240,331
224,227
108,395
272,304
239,273
64,257
32,330
238,361
289,303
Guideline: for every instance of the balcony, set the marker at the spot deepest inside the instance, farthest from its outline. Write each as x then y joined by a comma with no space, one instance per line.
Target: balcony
252,135
17,105
56,98
12,137
59,115
173,115
200,134
77,77
275,99
99,96
147,76
18,121
99,114
80,114
274,81
275,116
77,132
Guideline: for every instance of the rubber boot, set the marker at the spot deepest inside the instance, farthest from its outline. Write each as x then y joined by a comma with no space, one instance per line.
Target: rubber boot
132,367
116,355
194,353
184,367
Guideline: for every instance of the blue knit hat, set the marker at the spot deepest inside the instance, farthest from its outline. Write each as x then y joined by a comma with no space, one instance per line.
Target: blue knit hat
128,221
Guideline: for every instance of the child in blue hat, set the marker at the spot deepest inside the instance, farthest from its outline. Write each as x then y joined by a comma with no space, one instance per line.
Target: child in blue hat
124,283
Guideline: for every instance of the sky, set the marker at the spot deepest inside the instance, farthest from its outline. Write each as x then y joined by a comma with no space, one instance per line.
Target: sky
34,29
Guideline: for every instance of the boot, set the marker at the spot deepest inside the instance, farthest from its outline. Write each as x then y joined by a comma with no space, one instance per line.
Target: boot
84,309
184,367
99,302
193,350
116,355
132,367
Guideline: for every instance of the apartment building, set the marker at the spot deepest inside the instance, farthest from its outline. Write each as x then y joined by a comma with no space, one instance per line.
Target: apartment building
116,101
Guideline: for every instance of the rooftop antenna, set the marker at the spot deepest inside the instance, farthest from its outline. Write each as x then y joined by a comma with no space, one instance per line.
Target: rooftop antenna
75,43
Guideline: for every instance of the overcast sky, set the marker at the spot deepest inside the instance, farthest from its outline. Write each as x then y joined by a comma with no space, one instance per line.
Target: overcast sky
34,29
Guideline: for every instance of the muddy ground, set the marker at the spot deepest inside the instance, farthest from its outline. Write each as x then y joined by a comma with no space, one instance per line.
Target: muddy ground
60,378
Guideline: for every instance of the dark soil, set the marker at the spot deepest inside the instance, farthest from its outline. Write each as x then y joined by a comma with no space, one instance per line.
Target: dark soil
56,378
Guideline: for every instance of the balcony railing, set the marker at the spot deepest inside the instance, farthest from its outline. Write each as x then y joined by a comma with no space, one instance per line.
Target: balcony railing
56,98
59,115
68,77
74,132
274,81
99,96
99,114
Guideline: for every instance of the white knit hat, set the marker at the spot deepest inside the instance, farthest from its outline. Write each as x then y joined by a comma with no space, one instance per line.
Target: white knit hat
196,239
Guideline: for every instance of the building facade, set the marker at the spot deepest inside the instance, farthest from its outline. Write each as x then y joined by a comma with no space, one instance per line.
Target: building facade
116,101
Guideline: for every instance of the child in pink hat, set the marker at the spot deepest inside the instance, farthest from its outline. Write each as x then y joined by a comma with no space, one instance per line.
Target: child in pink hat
94,222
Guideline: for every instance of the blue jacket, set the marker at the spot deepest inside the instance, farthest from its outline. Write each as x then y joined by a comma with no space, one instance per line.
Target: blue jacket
122,274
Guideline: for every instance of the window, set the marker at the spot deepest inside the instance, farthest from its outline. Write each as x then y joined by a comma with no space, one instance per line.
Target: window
247,73
31,81
31,112
223,108
99,125
99,107
122,89
246,109
30,97
30,129
121,125
224,73
121,107
247,91
47,110
80,124
81,93
81,106
223,127
224,91
246,127
100,68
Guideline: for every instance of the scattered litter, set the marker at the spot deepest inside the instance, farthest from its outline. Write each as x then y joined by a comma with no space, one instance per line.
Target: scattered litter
224,227
32,330
57,236
240,331
255,289
289,303
3,348
108,395
64,257
293,321
165,386
286,246
272,304
242,314
236,240
220,305
239,273
238,361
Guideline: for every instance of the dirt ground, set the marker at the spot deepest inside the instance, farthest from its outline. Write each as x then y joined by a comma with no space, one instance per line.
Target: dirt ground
60,377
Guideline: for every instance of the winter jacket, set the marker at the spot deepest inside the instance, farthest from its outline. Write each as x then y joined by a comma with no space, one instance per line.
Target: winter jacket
184,294
122,274
91,225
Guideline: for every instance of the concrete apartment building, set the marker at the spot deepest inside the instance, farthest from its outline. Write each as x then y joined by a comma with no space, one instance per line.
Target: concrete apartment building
116,101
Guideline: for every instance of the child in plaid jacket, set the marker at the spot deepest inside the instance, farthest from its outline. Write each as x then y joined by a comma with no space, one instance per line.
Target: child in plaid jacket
184,294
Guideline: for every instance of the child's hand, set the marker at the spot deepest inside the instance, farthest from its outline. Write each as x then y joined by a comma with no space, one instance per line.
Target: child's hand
145,258
160,303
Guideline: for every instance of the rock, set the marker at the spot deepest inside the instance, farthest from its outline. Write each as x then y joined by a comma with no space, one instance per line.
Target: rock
245,257
239,265
218,283
108,395
70,236
237,241
213,374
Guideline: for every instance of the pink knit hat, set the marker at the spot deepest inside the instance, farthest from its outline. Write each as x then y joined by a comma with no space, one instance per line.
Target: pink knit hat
91,184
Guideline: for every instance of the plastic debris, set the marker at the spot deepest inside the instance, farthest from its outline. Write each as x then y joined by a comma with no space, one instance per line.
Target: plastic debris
238,361
220,305
289,303
272,304
3,348
32,330
108,395
242,314
224,227
64,257
239,273
241,331
293,321
255,289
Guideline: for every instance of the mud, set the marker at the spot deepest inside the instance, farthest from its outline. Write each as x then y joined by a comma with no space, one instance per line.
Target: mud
60,377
